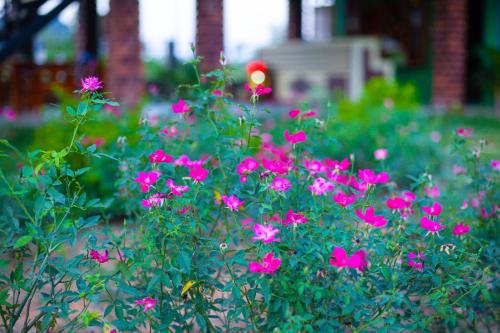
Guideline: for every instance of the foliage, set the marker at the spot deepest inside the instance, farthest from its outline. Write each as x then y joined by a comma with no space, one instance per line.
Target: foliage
227,229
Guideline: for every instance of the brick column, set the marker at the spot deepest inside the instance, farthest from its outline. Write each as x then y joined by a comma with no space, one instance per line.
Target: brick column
209,32
450,42
294,19
124,72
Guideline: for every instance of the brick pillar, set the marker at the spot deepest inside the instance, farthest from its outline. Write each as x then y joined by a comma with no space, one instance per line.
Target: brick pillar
450,42
294,19
124,72
209,32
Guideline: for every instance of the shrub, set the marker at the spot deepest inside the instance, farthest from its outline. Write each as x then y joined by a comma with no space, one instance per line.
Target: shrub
226,230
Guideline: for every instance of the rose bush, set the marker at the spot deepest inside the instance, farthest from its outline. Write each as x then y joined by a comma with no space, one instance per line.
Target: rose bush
230,228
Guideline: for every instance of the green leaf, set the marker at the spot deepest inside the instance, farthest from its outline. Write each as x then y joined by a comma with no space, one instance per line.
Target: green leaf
22,241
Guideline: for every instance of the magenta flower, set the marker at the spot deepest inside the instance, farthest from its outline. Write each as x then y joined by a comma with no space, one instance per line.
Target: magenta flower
343,199
232,202
419,255
156,199
336,166
430,225
159,156
314,167
265,233
320,186
415,265
464,132
433,210
370,177
495,164
396,203
280,184
198,174
294,218
294,113
148,303
276,166
295,138
340,259
90,83
245,167
380,154
176,190
180,107
146,179
171,132
369,217
269,264
9,113
259,90
432,192
460,229
99,257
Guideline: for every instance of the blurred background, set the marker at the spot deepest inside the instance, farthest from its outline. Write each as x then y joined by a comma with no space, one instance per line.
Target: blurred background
449,50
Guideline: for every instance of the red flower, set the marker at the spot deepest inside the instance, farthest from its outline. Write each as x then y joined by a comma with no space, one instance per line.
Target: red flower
370,217
295,138
340,259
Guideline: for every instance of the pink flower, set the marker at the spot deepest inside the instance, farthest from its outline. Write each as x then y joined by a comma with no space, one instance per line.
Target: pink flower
337,166
320,186
314,166
495,164
460,229
245,167
370,177
171,132
177,190
294,113
180,107
280,184
198,174
433,210
148,303
432,192
269,264
465,205
370,217
90,83
380,154
259,90
415,265
159,156
339,259
265,233
146,179
430,225
457,170
232,202
296,137
464,132
396,203
217,92
308,114
276,166
99,257
9,113
413,255
183,210
156,199
294,218
343,200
